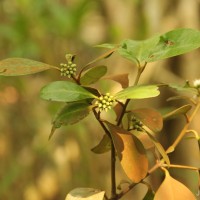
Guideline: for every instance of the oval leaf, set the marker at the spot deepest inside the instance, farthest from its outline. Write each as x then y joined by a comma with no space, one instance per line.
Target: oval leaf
85,194
104,145
64,91
138,92
69,114
150,118
173,190
131,153
179,111
93,75
22,66
175,42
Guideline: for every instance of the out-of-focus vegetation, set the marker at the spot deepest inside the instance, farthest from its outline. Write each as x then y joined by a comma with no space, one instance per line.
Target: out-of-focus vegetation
33,168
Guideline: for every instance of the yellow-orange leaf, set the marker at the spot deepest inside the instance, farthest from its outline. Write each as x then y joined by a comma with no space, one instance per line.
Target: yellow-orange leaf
173,190
131,153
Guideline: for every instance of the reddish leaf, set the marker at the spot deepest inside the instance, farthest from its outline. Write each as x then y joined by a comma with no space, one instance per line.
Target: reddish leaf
173,190
131,153
121,78
22,66
150,118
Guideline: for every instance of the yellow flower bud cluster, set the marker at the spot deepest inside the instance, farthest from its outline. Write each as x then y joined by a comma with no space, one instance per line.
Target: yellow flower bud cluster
68,69
105,102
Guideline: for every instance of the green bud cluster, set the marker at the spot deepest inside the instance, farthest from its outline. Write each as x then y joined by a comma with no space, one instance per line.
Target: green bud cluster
68,69
105,102
137,124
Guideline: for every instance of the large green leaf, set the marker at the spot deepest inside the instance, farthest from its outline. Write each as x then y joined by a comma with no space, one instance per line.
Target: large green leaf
175,42
22,66
138,92
131,153
93,75
69,114
64,91
137,51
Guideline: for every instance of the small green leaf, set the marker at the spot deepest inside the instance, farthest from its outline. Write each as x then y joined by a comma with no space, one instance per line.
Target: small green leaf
131,153
149,195
186,89
177,112
69,114
85,194
22,66
93,75
149,117
104,145
138,92
137,51
64,91
175,42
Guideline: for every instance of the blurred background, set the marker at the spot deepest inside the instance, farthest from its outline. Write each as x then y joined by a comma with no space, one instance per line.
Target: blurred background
33,168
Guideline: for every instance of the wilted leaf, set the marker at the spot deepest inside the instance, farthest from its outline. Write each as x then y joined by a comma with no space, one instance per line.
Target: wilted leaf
69,114
104,145
173,190
149,117
121,78
85,194
22,66
149,195
137,51
177,112
131,153
138,92
93,75
64,91
175,42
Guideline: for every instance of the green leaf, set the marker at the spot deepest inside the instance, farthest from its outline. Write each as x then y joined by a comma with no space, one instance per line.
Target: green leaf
85,194
149,117
131,153
175,42
173,189
69,114
64,91
177,112
93,75
138,92
22,66
186,89
137,51
149,195
104,145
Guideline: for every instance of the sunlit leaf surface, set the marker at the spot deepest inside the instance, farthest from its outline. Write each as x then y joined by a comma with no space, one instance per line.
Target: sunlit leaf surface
173,190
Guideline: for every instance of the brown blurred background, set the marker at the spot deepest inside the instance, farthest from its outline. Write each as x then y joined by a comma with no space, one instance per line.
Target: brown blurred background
33,168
